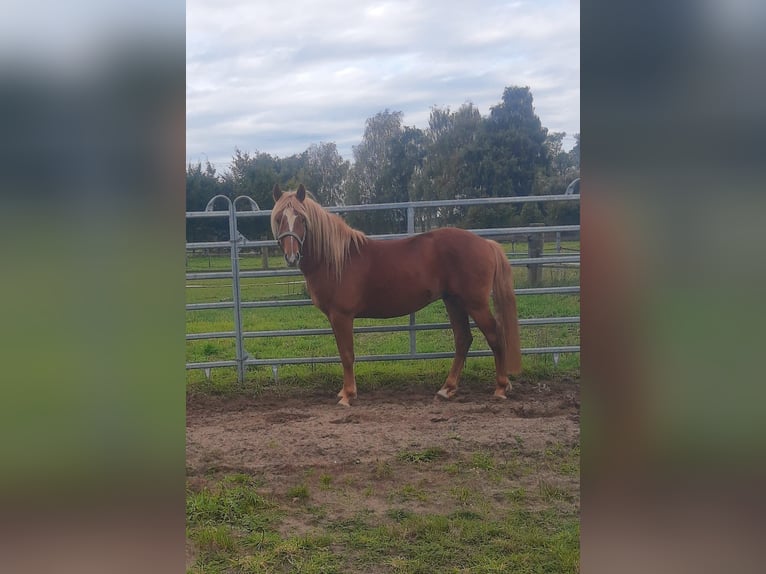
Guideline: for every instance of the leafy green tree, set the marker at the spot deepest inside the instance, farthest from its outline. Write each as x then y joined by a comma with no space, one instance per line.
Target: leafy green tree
201,186
574,153
447,171
324,173
460,155
531,213
511,148
253,176
383,165
504,157
559,159
563,169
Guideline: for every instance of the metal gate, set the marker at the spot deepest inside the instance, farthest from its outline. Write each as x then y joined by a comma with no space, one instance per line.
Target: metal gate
237,241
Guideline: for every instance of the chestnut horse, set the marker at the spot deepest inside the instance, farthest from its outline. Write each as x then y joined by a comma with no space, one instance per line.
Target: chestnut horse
350,275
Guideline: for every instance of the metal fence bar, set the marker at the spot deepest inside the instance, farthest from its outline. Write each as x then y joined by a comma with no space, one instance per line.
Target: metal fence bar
370,358
294,272
406,204
200,306
410,231
211,365
369,329
569,290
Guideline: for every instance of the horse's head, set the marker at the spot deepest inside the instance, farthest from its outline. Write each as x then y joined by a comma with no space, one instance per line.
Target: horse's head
288,223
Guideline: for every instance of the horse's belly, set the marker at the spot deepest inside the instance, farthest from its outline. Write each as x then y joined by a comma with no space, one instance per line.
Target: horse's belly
393,303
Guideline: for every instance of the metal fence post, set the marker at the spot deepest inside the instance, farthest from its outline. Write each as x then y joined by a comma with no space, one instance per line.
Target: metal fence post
234,241
411,220
240,344
236,238
234,250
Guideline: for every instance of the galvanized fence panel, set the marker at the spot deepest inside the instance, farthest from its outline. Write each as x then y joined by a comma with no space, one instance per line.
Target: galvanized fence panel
237,242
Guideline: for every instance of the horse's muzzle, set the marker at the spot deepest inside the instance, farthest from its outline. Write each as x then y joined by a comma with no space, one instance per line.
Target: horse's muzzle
293,257
292,261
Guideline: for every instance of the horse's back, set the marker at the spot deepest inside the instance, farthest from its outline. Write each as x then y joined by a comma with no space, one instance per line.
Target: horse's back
466,261
397,277
453,261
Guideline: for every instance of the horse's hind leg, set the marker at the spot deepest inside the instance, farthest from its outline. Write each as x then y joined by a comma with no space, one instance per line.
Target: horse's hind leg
488,326
461,329
343,328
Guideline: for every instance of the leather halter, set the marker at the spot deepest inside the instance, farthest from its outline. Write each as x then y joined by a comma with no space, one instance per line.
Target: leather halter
300,240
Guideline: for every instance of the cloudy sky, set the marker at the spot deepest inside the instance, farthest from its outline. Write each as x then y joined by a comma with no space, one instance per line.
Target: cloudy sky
277,77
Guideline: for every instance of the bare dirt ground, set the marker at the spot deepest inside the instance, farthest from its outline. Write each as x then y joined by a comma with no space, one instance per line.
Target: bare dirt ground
275,435
326,465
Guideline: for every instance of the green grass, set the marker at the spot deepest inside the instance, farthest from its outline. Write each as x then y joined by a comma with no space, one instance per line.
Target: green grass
427,455
504,509
298,492
259,289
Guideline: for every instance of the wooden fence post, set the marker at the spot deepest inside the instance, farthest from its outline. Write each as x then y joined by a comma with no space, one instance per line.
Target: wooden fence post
265,256
535,244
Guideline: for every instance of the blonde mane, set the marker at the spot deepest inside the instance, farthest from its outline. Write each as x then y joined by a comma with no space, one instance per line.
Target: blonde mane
331,237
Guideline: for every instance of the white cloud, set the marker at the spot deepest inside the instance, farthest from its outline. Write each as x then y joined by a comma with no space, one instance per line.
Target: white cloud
279,77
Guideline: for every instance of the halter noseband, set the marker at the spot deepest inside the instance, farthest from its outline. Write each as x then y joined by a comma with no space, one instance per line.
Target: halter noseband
300,240
291,234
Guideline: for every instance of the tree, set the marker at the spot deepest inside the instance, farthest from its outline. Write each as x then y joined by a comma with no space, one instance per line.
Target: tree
511,148
564,167
253,176
447,171
504,158
559,159
531,213
201,186
324,173
460,155
574,153
383,165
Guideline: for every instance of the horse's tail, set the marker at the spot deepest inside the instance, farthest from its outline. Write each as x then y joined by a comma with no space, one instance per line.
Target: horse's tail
505,311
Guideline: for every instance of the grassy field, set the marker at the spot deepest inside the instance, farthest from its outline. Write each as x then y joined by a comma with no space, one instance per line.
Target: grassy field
503,501
259,289
234,527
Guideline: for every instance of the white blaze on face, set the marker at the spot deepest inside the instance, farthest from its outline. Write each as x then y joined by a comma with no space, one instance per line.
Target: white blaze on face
290,215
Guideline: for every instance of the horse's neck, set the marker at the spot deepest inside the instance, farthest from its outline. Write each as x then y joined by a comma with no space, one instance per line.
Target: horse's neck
309,266
317,268
310,263
320,281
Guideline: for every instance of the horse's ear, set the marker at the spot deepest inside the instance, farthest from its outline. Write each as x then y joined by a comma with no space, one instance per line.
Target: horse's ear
276,192
301,193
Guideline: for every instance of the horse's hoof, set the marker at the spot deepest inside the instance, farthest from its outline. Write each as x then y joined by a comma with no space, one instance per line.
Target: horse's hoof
500,394
344,401
444,394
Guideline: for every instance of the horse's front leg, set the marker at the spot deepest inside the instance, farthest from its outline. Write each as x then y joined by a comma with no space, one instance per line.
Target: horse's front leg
343,328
